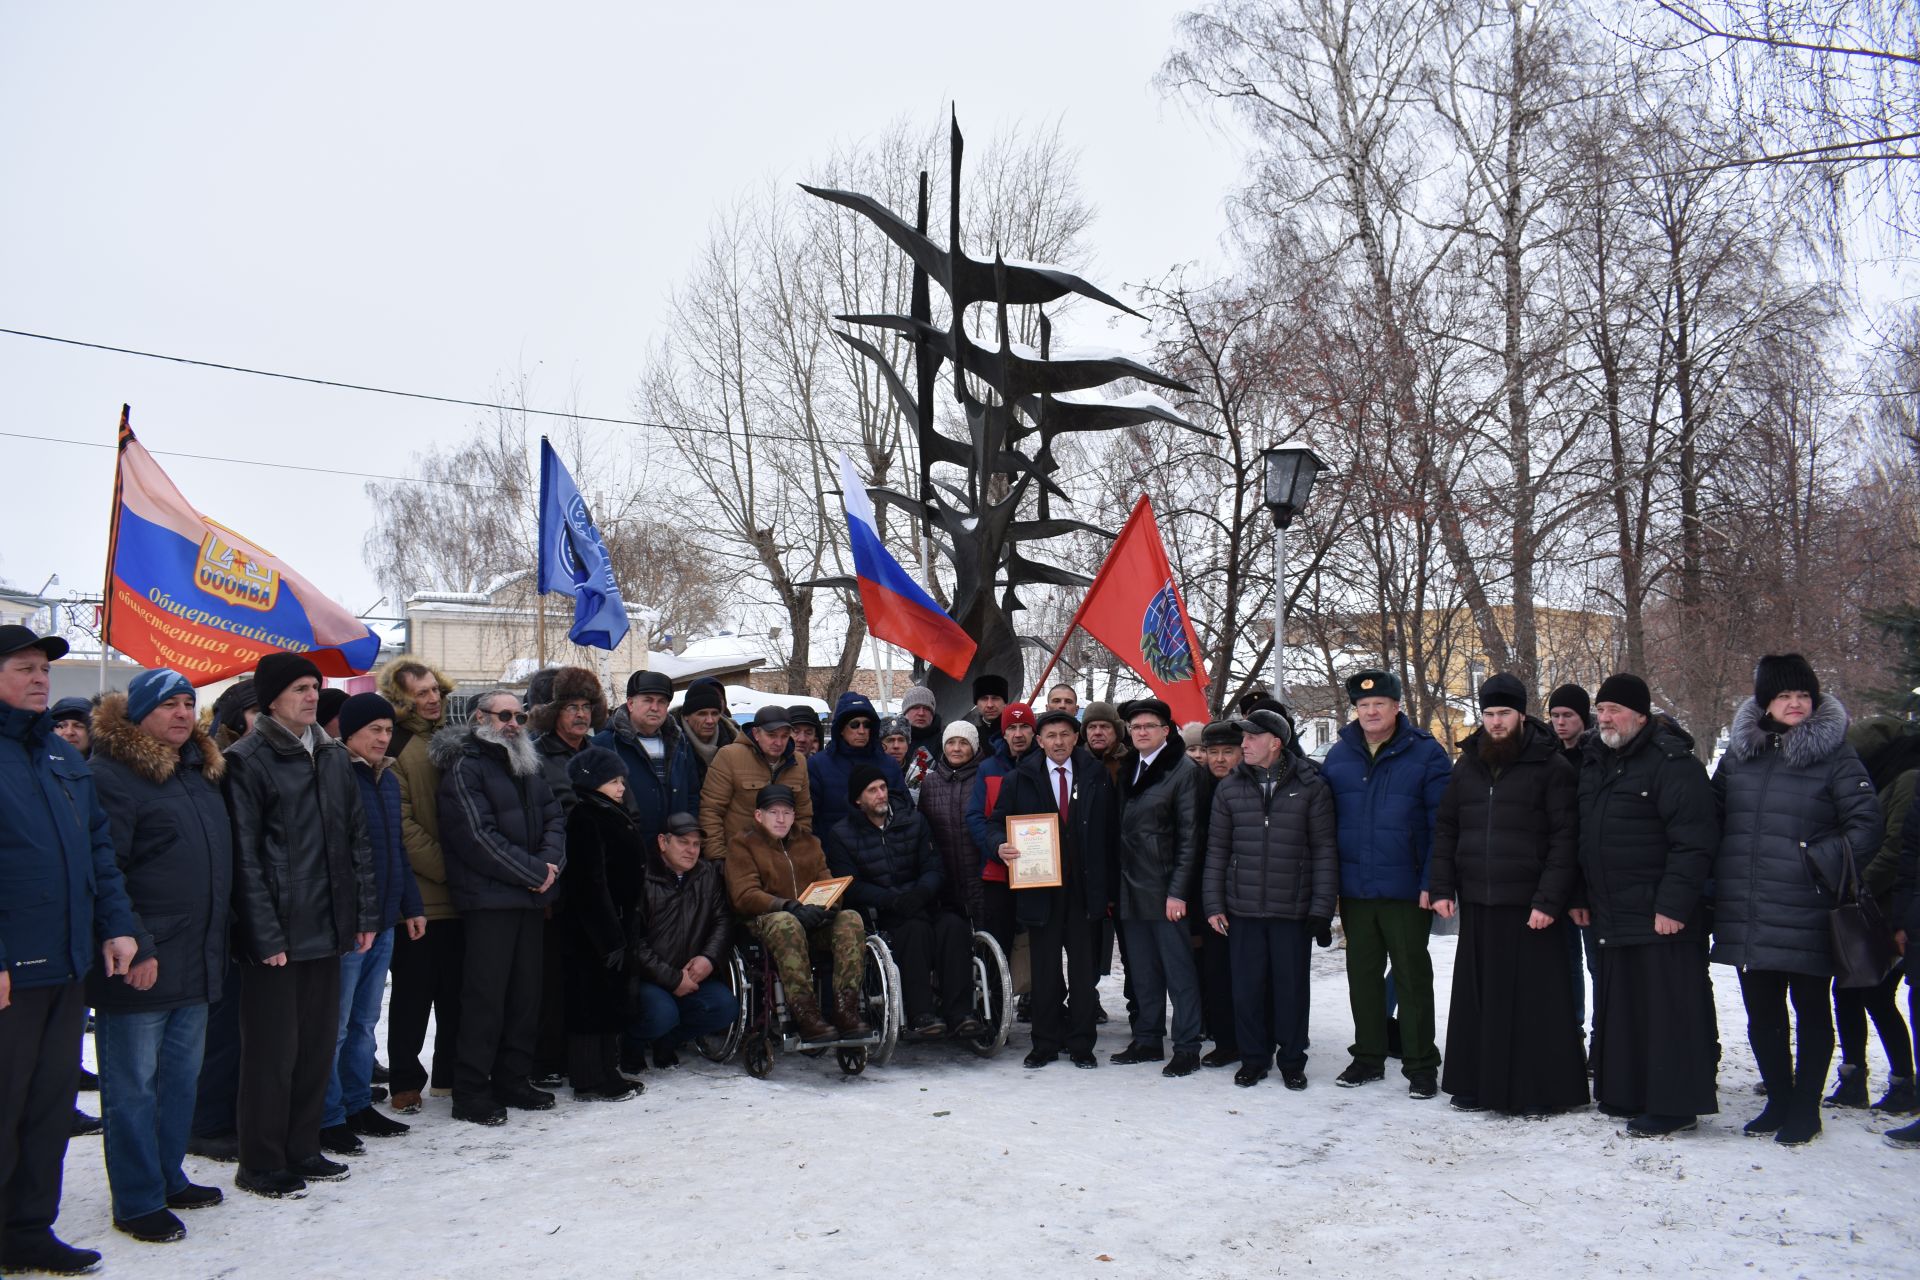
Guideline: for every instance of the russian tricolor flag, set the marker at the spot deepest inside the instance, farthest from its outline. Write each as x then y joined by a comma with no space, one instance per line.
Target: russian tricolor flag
898,609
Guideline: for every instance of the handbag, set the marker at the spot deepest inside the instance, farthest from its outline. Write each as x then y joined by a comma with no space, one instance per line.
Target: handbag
1863,948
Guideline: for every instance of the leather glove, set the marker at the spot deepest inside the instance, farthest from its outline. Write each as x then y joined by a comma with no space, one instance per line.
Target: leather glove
810,918
1321,929
615,958
911,902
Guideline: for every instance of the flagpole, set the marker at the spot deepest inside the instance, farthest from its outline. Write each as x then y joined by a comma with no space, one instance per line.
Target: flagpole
113,540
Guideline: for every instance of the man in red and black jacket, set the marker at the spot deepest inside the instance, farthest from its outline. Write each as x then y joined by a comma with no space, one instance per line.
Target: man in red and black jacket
1016,742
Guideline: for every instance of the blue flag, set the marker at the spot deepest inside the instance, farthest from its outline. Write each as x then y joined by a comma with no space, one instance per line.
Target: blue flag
574,560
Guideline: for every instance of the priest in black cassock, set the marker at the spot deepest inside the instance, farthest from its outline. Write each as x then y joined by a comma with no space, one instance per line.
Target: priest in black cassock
1649,828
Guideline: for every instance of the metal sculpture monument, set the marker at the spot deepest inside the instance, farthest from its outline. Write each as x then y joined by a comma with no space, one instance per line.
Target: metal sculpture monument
1007,458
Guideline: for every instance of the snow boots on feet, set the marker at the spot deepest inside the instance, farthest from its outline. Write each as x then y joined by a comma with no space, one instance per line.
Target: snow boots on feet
1851,1091
1900,1098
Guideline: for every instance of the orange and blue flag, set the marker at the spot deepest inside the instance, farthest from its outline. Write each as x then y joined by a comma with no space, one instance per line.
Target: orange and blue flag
185,592
898,609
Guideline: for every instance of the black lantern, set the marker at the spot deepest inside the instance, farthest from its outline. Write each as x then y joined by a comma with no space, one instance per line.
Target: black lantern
1291,471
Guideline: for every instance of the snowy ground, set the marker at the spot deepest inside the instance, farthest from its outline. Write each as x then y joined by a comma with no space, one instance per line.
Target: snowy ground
942,1163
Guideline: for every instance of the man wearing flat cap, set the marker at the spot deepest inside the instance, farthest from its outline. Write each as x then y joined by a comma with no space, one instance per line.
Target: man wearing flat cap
676,942
1220,755
64,910
1387,778
1159,870
763,757
1649,830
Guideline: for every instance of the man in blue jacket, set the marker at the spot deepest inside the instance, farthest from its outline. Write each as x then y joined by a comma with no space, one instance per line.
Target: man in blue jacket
63,897
856,741
1387,778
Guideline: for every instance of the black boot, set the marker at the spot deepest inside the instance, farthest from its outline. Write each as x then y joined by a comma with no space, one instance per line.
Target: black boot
1803,1108
44,1251
1900,1098
1851,1090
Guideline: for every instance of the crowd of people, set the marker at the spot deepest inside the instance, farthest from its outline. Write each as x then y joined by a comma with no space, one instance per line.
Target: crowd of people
556,886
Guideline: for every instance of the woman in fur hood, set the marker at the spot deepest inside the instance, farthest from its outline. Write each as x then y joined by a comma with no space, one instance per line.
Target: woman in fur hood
1795,801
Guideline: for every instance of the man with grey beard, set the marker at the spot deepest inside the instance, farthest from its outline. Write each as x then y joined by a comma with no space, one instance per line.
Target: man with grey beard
505,841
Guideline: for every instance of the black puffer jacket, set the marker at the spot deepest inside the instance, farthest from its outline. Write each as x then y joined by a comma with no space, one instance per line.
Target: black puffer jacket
1791,805
1159,834
1647,835
174,844
303,868
943,803
499,829
555,755
1272,854
680,917
887,863
1511,840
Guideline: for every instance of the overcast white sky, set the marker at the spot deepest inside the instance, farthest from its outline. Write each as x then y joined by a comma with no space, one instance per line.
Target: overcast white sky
433,196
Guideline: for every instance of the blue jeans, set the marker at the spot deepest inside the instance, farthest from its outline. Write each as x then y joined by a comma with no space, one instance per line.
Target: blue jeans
149,1074
674,1020
363,981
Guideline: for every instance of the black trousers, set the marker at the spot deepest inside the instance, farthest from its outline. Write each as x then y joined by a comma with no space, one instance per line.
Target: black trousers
1792,1060
1216,991
426,980
1064,1010
1274,997
216,1102
1851,1008
289,1025
996,910
39,1076
593,1061
499,1001
926,949
550,1049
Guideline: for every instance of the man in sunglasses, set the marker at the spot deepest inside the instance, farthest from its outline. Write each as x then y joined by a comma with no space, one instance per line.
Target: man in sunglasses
505,841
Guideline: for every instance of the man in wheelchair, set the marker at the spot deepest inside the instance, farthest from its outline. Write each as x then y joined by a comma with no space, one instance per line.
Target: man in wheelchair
885,845
768,867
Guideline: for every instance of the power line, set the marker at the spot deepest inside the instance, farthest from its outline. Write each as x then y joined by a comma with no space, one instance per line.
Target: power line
251,462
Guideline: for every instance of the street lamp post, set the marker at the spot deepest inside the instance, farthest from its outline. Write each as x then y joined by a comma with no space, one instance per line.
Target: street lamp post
1291,471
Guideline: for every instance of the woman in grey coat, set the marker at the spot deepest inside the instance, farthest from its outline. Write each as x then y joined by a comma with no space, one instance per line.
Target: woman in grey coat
1795,801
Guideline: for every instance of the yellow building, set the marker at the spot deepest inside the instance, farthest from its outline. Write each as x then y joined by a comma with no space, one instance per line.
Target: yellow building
1576,646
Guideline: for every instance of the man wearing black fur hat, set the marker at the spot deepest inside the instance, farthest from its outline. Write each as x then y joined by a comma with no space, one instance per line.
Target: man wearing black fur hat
1503,850
1648,833
565,707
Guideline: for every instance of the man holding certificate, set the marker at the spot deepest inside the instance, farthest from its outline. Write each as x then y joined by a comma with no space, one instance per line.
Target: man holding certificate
1059,810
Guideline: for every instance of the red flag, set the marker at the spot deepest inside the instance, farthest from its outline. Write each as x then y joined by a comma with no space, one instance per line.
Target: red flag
1134,609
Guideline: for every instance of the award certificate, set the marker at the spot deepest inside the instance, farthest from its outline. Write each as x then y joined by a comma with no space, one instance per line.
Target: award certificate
824,893
1037,838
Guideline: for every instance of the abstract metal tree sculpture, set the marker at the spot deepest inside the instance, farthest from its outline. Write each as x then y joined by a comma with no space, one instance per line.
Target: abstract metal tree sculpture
1017,402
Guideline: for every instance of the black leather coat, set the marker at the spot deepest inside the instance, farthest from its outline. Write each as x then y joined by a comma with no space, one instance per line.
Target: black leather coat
303,867
1159,834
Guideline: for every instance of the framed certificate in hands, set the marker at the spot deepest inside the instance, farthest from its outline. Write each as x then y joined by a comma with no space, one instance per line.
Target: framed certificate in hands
825,893
1036,837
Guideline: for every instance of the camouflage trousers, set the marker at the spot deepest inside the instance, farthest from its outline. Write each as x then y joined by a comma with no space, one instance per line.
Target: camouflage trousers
842,937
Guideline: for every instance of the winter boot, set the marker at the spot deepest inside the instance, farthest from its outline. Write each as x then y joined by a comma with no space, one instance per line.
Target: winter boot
807,1021
1851,1091
1900,1098
1803,1105
1907,1135
846,1016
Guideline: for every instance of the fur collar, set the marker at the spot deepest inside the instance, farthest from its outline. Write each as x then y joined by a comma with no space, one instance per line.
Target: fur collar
1808,743
1171,754
119,739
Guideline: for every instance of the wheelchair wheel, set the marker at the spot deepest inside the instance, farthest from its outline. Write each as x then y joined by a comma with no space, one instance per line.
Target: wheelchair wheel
852,1061
880,988
722,1045
757,1054
992,995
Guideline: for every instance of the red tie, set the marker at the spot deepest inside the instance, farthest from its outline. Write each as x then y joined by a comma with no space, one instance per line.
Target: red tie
1060,772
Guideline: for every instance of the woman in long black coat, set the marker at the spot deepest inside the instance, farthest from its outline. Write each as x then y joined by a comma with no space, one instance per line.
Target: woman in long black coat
599,892
1795,804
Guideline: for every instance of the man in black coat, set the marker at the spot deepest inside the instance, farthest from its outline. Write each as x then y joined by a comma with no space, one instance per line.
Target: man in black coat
676,943
1159,860
1064,778
1648,833
1220,751
1570,716
505,843
303,896
1504,854
884,844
